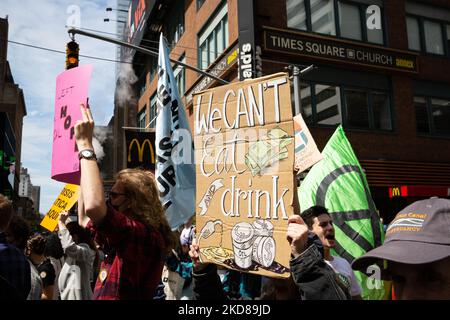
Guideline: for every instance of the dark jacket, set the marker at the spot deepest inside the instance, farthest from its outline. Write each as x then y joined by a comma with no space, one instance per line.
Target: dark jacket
314,279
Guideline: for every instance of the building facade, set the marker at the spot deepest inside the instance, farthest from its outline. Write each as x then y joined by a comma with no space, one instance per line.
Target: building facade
12,111
25,185
382,71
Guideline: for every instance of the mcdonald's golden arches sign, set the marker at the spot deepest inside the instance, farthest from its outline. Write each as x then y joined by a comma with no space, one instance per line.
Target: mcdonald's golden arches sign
140,149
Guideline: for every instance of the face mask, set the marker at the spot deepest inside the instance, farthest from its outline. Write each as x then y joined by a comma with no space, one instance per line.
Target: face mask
115,207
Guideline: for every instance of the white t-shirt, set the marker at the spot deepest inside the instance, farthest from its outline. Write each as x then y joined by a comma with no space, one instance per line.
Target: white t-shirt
342,267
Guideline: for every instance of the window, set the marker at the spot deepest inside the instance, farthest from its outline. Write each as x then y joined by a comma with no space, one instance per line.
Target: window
319,16
175,24
306,102
440,110
412,25
350,21
428,28
213,39
180,78
152,112
448,37
426,35
328,105
422,121
374,35
433,37
432,116
356,103
322,16
381,106
141,117
363,108
296,14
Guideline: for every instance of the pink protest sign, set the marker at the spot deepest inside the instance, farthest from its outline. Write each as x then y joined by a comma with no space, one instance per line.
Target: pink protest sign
72,88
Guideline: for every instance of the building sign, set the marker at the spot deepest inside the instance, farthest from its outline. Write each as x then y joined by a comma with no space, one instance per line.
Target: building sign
331,49
138,14
244,145
217,70
140,149
247,46
419,191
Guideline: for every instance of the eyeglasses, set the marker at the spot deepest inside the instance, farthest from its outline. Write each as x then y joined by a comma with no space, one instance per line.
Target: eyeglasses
113,194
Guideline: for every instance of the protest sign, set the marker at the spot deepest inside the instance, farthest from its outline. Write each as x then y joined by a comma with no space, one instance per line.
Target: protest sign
244,144
66,199
306,152
71,90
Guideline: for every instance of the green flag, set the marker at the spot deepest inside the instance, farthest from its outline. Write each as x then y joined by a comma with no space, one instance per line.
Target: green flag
338,183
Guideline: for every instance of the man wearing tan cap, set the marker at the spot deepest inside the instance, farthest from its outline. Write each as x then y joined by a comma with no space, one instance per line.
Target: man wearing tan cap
417,251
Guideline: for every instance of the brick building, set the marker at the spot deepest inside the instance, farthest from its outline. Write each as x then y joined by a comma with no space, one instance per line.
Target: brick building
12,111
383,72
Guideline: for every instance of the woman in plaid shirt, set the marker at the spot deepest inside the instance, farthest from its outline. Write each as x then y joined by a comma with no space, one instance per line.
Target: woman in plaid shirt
131,227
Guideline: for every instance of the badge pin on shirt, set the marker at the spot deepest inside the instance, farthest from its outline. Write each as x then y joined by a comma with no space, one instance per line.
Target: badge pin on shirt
102,275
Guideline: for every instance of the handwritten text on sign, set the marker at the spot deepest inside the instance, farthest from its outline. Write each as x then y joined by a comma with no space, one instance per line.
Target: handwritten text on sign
71,90
245,153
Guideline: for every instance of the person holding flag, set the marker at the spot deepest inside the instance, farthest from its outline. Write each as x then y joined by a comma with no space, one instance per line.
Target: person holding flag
175,167
338,183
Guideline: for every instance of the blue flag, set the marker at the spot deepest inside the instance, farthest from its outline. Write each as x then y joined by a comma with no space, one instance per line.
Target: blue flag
175,166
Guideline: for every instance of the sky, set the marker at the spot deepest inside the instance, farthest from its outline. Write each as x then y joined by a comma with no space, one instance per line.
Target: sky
43,23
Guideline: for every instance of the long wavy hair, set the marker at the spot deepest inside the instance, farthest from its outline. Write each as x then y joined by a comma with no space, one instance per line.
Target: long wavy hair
140,187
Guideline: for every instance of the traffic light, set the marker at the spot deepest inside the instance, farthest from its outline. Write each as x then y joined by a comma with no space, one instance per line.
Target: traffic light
72,50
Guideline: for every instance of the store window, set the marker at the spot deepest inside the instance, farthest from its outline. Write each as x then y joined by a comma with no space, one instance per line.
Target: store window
213,39
328,105
432,116
357,104
320,16
381,106
422,121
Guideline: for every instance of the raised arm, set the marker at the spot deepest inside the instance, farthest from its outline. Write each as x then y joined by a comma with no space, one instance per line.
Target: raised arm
91,184
83,219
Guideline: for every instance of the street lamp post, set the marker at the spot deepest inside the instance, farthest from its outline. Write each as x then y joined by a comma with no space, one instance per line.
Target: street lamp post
296,73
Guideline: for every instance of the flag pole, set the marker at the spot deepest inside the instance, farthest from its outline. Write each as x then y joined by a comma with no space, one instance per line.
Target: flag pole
74,31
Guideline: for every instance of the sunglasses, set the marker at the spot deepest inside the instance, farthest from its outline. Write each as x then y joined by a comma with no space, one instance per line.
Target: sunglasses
113,194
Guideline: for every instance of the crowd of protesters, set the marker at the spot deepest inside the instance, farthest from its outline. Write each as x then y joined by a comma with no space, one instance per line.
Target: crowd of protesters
122,248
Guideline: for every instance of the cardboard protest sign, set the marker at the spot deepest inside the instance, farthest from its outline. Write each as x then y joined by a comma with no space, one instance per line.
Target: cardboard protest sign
66,199
71,90
306,152
244,144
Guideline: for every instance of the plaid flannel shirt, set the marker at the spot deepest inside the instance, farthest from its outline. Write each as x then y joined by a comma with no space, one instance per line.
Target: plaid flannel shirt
133,261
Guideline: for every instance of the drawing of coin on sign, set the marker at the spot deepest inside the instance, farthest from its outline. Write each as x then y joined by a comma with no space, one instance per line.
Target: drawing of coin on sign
253,246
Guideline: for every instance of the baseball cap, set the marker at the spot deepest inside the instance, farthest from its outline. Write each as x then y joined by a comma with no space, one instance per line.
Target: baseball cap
420,233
